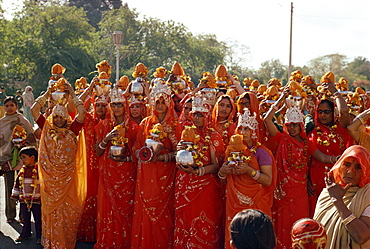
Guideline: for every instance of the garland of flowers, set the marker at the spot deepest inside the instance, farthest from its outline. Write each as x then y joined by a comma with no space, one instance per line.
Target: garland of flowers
331,135
161,134
244,158
120,140
225,132
304,159
198,154
27,199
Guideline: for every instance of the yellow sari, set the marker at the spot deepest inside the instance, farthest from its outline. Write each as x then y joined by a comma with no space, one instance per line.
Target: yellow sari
62,185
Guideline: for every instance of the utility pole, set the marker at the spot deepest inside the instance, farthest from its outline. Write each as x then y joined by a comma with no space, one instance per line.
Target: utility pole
290,45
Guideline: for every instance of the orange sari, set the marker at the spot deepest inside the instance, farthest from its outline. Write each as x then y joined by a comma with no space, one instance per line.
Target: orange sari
87,226
153,222
243,192
115,192
199,204
62,182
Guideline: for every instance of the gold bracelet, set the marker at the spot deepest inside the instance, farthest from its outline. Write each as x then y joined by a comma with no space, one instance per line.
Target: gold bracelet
41,100
349,219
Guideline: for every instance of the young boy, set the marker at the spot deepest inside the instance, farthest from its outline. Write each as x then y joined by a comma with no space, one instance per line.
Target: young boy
27,191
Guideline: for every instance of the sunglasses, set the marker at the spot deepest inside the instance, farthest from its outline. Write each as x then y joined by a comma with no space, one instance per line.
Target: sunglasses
119,105
324,111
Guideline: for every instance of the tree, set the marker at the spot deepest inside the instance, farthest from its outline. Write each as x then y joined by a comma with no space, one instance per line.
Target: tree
94,8
272,69
49,34
335,63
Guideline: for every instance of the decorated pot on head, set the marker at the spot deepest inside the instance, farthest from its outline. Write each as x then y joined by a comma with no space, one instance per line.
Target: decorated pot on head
185,155
102,85
297,95
271,95
80,85
59,91
57,72
176,81
153,145
140,73
123,83
308,233
221,77
118,143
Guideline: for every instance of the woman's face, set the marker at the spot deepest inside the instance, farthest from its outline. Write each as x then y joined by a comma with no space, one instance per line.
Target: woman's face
10,107
118,109
294,129
59,121
244,103
160,106
224,108
100,109
351,171
198,119
325,114
187,109
245,132
135,110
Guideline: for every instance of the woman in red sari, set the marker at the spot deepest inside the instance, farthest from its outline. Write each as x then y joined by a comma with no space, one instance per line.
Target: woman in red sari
250,184
291,197
330,136
116,177
87,227
198,192
153,222
223,117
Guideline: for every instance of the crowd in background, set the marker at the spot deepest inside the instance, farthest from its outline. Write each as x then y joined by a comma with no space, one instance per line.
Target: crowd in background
163,163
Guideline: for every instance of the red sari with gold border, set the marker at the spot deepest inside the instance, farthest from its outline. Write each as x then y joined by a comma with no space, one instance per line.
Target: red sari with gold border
153,222
290,197
199,203
115,192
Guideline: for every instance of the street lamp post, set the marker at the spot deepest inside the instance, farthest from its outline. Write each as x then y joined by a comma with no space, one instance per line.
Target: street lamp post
117,40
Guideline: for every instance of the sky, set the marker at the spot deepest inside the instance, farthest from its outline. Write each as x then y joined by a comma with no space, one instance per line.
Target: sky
320,27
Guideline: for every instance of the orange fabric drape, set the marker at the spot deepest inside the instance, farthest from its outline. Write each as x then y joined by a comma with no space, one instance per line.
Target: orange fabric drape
87,226
62,185
243,192
199,203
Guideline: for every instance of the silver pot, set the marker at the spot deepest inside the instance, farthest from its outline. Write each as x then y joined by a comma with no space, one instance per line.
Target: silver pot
154,145
295,101
57,95
106,89
116,150
210,95
137,86
184,157
179,83
98,90
221,83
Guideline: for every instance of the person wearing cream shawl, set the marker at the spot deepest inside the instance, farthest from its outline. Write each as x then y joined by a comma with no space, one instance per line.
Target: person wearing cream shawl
343,206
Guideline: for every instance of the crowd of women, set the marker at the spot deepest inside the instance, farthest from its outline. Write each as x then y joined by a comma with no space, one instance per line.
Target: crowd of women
111,171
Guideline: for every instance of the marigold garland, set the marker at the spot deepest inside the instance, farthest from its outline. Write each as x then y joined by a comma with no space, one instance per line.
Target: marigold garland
304,159
22,195
331,135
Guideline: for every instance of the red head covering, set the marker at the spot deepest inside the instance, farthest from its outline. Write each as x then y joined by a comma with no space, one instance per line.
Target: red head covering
362,156
308,234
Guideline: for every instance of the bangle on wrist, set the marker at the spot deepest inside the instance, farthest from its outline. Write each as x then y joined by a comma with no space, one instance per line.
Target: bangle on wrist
102,147
256,174
349,219
221,176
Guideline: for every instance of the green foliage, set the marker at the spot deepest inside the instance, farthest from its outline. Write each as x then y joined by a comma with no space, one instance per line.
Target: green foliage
271,69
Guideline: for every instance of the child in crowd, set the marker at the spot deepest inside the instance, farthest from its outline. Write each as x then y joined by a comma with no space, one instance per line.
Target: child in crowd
27,191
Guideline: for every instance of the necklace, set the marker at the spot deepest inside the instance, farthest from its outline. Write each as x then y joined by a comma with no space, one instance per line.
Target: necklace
304,159
332,135
199,154
27,199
